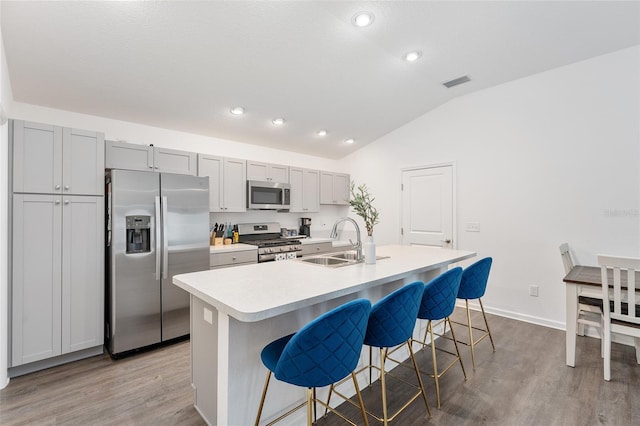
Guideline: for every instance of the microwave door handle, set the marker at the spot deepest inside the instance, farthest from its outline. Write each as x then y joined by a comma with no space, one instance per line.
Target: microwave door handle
158,237
165,240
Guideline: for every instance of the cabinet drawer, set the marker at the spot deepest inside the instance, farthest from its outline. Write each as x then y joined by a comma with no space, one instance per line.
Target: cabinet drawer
316,248
232,258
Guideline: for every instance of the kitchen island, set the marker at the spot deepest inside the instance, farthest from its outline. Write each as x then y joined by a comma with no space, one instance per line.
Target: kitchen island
236,311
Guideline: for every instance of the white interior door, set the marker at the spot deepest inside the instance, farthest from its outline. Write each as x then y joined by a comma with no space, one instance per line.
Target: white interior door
427,206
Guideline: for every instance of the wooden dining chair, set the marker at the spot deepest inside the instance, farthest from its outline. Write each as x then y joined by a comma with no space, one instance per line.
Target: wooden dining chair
589,301
621,310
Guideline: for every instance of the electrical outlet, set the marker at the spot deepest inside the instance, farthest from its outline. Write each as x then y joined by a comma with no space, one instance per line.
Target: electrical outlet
473,226
533,290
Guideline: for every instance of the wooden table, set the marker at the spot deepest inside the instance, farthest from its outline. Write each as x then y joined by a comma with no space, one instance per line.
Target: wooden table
582,277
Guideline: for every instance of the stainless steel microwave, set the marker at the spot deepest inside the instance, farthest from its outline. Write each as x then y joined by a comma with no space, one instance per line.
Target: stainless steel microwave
268,195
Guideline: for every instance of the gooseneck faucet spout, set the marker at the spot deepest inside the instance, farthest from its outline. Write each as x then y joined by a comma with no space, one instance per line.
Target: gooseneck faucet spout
358,244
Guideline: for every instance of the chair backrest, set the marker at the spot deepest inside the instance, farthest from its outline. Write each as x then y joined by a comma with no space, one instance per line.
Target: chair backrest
393,317
616,271
567,261
327,349
474,279
439,297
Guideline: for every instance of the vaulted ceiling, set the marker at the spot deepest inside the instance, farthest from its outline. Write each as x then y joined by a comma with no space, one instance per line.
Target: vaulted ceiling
184,65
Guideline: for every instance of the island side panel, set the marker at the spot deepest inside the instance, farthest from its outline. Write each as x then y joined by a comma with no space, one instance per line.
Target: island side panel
205,353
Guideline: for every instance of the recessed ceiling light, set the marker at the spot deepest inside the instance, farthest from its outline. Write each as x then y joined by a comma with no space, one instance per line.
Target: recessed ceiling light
237,110
412,56
321,133
279,121
349,141
362,19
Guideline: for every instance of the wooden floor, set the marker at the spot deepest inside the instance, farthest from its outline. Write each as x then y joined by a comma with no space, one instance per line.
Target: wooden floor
525,382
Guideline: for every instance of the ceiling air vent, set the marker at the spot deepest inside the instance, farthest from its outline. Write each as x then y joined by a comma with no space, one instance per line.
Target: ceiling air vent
449,84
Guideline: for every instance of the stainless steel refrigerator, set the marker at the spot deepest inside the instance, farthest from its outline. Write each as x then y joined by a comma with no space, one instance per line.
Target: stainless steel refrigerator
157,227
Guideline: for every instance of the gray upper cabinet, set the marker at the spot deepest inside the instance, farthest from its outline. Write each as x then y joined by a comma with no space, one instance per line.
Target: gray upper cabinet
54,160
305,190
174,161
131,156
267,172
334,188
227,182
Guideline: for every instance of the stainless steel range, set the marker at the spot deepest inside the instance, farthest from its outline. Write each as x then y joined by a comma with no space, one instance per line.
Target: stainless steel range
267,237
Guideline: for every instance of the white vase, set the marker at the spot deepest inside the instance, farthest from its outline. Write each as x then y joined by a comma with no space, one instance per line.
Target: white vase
369,249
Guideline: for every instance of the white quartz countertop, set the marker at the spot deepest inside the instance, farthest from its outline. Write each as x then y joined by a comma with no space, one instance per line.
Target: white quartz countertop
231,247
263,290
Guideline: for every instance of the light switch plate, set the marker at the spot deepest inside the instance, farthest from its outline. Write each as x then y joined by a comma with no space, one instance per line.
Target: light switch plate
473,227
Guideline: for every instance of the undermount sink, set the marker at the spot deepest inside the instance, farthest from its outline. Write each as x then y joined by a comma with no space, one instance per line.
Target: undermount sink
335,260
326,261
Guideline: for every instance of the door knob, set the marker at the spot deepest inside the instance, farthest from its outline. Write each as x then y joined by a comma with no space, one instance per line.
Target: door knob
447,241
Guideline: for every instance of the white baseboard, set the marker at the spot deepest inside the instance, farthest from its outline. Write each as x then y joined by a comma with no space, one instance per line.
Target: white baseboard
589,331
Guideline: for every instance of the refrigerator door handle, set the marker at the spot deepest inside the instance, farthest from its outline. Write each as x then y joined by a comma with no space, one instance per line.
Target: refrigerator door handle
158,238
165,240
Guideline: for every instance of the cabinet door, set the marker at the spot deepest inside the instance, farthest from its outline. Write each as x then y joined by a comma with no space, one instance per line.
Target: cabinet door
310,191
305,185
234,189
82,162
257,171
267,172
326,188
37,157
297,189
211,167
278,173
82,273
341,189
36,283
128,156
174,161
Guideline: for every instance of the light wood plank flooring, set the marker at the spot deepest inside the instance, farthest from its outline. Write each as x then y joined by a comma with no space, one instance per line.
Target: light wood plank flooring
525,382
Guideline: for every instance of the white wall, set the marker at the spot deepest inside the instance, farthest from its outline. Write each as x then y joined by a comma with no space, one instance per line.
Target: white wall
543,160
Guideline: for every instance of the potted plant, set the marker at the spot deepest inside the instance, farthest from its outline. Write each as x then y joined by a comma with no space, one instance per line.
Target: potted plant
362,203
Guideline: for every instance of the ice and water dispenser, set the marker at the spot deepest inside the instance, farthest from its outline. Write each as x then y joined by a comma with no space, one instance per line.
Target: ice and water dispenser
138,234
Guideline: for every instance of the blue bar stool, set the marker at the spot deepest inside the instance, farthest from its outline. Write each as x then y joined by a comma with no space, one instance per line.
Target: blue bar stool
391,323
438,302
472,286
321,353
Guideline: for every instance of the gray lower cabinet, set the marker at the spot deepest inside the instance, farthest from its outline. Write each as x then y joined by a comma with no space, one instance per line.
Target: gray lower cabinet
315,248
57,290
232,258
131,156
55,160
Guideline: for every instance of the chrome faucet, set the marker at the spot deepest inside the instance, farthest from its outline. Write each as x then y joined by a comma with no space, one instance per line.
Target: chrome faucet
358,244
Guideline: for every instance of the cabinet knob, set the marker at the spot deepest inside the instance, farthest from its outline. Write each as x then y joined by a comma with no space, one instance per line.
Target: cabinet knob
66,187
157,167
234,258
57,186
151,167
57,201
66,201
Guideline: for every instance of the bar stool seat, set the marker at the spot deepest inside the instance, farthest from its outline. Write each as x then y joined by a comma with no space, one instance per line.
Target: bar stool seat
391,324
438,302
321,353
473,286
